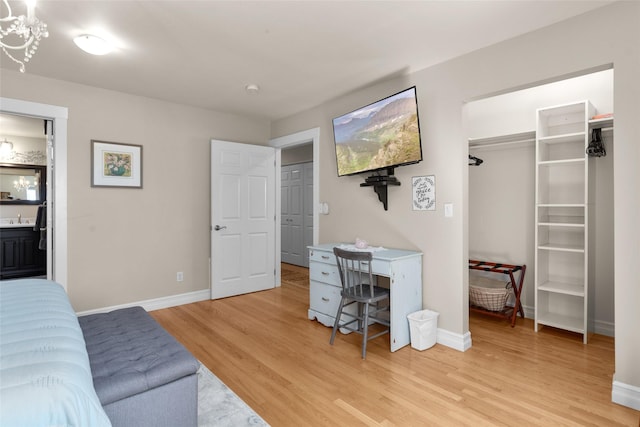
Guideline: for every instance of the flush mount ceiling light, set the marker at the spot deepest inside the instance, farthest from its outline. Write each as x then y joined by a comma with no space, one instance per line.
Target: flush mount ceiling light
93,44
252,89
21,32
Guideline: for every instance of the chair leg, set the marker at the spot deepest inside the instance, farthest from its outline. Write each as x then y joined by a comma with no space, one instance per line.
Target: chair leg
365,330
336,323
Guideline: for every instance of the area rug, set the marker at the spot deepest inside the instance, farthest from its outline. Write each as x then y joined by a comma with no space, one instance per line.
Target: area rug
219,406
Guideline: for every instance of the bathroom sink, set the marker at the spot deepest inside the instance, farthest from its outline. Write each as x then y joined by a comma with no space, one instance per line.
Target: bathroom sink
13,222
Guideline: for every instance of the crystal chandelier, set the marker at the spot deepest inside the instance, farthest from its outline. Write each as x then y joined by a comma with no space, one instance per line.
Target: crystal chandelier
23,184
25,30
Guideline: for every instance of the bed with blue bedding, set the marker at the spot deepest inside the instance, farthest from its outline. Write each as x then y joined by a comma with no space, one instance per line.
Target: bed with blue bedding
45,375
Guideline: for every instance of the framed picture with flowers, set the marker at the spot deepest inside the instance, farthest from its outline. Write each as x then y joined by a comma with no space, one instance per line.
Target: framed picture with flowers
116,165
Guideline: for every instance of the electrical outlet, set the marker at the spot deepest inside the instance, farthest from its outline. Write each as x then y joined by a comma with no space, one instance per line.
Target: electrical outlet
179,276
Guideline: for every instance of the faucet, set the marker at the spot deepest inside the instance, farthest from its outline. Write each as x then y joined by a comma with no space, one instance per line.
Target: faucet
19,219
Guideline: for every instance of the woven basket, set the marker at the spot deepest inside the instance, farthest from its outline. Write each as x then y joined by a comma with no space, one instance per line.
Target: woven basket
493,297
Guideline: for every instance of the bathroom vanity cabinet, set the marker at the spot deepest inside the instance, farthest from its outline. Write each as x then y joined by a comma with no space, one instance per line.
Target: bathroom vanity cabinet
19,253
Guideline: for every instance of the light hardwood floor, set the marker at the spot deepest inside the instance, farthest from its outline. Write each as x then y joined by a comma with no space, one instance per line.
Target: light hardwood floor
281,364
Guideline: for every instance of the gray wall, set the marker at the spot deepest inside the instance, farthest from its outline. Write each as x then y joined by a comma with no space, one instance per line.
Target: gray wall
126,245
299,154
555,51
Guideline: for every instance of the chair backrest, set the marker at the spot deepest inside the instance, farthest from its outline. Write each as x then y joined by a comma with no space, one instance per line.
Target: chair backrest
355,271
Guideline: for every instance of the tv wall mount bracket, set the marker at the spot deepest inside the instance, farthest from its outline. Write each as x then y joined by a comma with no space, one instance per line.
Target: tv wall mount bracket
380,183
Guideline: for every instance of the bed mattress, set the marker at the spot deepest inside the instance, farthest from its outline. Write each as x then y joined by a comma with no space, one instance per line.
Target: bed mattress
45,376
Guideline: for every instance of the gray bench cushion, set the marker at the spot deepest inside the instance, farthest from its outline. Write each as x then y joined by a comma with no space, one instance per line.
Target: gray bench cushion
130,353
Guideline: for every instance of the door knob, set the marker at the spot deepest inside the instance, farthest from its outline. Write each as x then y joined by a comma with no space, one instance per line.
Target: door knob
218,228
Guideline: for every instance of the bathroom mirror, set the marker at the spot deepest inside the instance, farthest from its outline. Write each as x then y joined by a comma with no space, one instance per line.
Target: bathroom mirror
22,184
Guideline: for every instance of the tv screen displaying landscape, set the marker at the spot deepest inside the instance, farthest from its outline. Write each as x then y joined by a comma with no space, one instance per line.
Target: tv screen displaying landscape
379,136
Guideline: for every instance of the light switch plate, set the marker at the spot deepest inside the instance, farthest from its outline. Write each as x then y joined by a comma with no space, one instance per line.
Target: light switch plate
448,210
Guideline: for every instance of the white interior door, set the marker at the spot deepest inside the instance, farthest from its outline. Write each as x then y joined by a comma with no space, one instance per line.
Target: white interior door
292,192
242,218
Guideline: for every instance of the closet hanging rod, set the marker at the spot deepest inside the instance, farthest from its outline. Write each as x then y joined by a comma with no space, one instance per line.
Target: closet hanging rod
607,129
509,139
500,144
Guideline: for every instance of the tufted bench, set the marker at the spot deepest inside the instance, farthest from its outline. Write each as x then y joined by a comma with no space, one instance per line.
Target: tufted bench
142,375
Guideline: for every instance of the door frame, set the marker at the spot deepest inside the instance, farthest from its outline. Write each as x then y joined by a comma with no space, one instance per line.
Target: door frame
57,249
288,141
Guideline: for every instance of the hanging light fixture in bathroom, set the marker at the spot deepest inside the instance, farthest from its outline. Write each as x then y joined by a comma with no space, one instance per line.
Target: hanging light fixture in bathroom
6,145
21,33
21,184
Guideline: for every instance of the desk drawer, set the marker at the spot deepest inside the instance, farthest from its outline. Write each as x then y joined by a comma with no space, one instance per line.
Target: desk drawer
324,298
322,256
325,273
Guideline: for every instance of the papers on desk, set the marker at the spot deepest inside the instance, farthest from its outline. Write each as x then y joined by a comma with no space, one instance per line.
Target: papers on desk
353,248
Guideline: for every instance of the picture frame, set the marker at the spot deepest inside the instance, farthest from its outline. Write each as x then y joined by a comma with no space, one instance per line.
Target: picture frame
424,193
114,164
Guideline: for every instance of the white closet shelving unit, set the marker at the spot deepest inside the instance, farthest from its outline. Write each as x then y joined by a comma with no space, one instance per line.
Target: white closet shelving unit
563,205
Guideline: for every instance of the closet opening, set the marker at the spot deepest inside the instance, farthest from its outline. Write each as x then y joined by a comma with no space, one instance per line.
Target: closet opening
538,201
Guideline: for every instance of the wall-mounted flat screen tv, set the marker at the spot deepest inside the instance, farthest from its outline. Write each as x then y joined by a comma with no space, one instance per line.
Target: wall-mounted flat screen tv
379,136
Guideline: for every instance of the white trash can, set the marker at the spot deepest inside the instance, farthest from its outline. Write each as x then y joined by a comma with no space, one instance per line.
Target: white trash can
423,327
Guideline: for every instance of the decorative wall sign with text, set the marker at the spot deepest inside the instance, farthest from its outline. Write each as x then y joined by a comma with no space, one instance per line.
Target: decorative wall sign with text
424,193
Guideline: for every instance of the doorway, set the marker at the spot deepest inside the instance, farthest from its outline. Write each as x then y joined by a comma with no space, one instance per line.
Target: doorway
57,255
296,209
23,183
311,136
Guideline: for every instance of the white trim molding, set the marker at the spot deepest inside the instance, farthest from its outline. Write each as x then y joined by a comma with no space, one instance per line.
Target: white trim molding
453,340
625,395
288,141
58,218
157,303
298,138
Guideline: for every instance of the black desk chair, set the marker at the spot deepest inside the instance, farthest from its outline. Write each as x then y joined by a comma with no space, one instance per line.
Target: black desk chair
358,288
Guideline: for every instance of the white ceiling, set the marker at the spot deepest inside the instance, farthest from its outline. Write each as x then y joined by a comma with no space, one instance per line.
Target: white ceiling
300,53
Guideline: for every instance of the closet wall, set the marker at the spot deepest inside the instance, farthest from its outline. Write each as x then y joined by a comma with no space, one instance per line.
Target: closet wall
501,190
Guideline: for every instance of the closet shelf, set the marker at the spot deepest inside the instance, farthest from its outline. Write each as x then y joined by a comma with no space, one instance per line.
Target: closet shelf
561,205
562,321
562,138
561,224
562,288
604,124
561,248
561,162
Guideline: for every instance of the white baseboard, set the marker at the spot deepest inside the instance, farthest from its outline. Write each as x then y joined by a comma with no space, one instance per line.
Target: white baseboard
455,341
625,395
157,303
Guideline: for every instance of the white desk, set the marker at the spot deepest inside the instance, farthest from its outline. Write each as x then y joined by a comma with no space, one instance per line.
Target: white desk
403,268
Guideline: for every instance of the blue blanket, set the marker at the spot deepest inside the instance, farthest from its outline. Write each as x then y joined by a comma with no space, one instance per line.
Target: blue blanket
45,378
